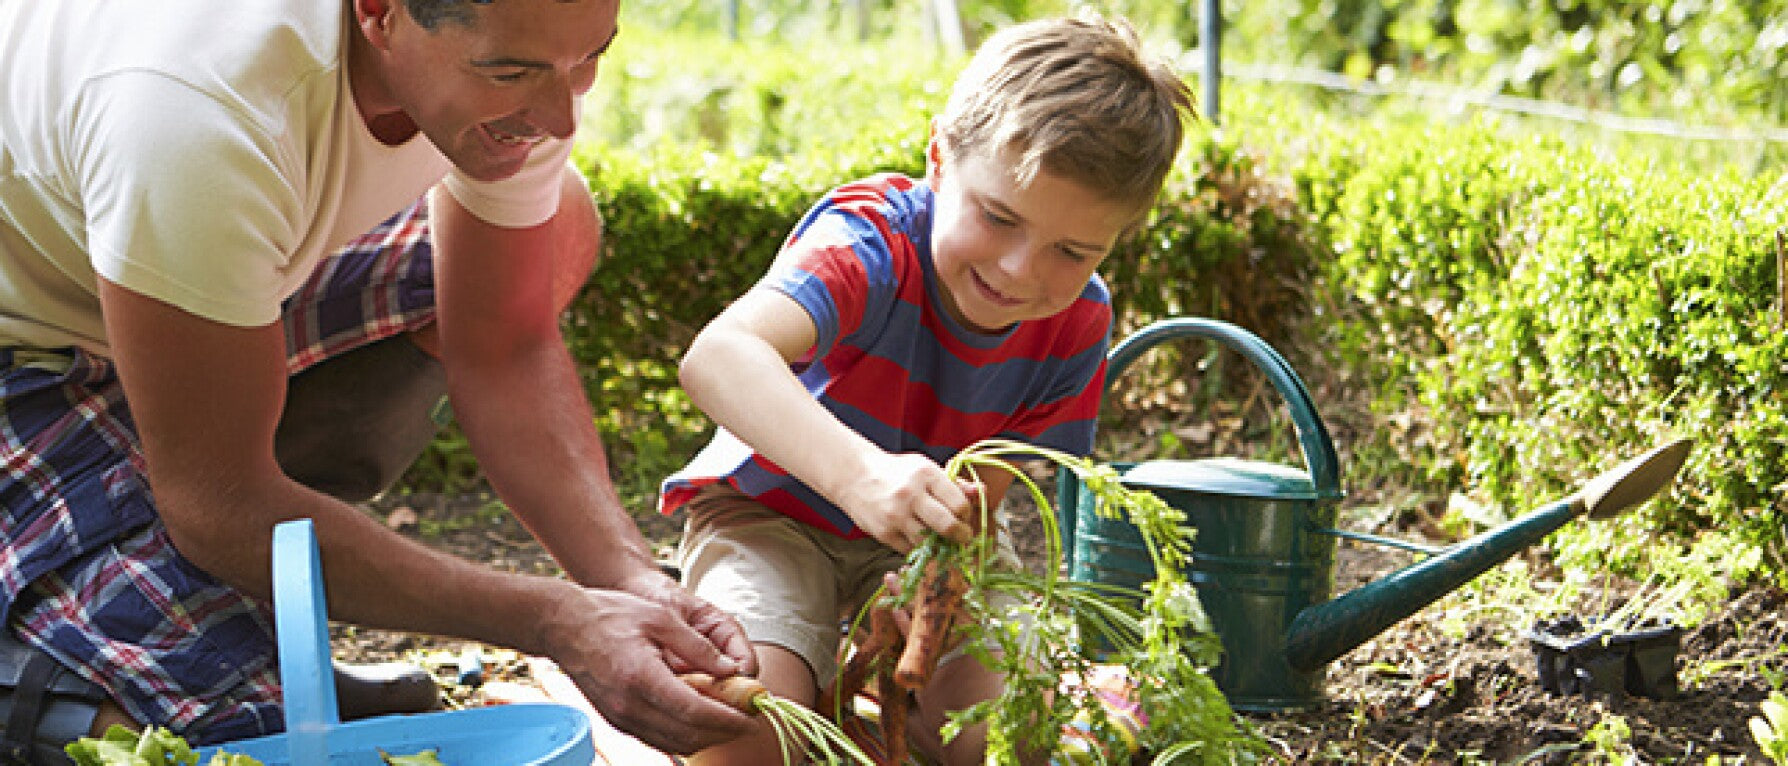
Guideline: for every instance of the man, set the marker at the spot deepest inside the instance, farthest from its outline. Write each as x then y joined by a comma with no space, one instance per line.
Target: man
167,178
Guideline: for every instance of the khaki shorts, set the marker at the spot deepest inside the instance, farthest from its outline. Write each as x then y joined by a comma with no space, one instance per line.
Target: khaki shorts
787,583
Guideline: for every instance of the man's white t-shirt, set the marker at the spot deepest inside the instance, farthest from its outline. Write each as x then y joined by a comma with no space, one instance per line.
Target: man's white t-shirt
206,154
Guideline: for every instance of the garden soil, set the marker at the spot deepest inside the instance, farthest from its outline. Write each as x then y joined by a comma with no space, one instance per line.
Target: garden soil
1437,688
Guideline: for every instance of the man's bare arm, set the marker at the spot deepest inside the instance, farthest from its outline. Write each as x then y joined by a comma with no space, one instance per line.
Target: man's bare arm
516,390
205,398
522,404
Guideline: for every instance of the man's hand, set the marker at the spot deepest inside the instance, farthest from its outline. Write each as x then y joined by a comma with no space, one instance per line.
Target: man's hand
900,496
624,653
717,626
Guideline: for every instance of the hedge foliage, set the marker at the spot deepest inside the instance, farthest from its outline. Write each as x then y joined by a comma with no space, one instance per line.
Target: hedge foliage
1550,308
1723,61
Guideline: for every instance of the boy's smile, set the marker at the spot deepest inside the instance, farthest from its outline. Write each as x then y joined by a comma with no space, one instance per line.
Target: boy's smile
1006,253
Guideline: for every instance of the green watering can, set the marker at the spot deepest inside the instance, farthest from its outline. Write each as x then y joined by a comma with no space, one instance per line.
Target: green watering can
1264,556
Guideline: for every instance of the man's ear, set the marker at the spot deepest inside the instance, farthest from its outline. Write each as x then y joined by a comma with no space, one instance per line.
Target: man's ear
374,18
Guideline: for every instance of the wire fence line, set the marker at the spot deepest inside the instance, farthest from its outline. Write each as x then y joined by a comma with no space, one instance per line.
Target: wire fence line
1192,62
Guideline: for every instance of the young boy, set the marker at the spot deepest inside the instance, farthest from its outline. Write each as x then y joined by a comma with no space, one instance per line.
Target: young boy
904,320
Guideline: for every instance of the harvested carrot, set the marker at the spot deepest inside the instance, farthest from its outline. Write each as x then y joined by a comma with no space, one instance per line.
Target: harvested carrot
882,641
741,692
935,604
893,701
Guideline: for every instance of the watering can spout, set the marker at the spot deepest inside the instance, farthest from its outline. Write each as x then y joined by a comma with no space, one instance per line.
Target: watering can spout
1323,632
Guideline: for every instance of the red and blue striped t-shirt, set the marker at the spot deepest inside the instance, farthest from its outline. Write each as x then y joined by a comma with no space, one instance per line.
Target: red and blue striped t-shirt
892,364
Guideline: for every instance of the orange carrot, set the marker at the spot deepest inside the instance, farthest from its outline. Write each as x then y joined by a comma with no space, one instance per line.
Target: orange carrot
939,596
893,701
741,692
883,640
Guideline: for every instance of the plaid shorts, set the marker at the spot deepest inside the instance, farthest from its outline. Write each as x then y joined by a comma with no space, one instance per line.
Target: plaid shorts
87,572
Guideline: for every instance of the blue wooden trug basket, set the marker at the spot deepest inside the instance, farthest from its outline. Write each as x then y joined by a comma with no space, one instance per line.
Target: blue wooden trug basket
532,734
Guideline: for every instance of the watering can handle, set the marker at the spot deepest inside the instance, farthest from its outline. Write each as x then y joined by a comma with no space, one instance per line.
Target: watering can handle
1313,437
301,623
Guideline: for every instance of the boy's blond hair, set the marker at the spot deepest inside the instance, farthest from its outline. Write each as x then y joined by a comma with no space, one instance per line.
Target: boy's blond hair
1075,97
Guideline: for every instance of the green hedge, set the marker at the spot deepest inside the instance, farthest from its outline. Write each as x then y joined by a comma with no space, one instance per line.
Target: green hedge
1550,308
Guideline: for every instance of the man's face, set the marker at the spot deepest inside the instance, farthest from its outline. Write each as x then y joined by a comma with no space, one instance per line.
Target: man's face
487,92
1006,253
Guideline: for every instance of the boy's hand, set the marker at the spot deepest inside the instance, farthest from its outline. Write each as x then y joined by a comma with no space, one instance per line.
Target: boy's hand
901,496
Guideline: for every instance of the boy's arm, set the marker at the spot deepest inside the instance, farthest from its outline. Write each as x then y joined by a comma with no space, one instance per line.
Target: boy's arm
737,371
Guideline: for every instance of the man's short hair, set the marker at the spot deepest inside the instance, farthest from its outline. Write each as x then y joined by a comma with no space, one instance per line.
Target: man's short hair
430,13
1076,97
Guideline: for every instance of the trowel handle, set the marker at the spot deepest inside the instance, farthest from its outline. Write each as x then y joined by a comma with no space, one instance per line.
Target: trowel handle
1313,436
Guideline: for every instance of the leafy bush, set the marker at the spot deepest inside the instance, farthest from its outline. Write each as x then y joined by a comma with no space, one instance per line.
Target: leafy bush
1705,60
1718,60
1549,308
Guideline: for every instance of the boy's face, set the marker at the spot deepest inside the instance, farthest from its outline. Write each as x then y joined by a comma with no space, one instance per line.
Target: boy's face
488,92
1006,253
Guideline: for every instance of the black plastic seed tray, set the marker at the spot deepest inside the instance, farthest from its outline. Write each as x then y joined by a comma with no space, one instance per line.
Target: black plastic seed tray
1574,657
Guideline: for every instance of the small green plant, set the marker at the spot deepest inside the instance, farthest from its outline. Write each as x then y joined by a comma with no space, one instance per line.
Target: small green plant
1767,666
1771,674
1611,739
1771,729
1681,586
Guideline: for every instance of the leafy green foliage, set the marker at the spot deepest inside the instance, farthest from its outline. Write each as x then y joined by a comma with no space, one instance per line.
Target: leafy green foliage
1166,645
1719,60
1552,309
1771,728
1709,60
814,105
155,746
1611,740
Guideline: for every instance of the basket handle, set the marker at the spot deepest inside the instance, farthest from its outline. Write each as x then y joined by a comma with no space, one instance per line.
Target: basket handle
301,623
